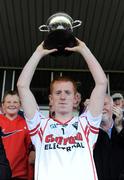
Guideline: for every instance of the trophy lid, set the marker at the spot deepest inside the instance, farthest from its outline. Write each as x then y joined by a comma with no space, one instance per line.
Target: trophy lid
60,20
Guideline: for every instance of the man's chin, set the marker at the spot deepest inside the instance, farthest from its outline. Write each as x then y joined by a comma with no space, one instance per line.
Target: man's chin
105,118
63,112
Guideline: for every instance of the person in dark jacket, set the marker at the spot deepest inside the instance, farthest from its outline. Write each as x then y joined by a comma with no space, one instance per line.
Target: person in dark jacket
109,149
5,171
101,155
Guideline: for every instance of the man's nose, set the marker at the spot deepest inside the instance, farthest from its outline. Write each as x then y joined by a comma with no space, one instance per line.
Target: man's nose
62,95
104,110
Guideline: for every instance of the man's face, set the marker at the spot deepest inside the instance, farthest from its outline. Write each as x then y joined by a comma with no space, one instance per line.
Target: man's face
11,105
107,110
62,97
118,103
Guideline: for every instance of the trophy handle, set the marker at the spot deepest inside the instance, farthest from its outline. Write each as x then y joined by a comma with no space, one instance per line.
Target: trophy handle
44,28
76,23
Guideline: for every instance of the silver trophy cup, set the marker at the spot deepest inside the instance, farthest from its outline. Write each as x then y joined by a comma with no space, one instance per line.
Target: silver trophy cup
60,33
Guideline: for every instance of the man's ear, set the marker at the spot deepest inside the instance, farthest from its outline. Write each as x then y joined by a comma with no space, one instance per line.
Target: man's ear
50,99
75,99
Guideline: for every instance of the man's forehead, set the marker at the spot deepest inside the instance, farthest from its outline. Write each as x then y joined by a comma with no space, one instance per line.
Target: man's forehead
117,99
107,100
63,85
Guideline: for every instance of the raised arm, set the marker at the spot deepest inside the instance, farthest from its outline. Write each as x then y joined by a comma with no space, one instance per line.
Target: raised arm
98,93
27,99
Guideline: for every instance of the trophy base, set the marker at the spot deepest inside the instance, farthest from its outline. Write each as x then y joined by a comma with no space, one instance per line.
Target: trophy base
60,39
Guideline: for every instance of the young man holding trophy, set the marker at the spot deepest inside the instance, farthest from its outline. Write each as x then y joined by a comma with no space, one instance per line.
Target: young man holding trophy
64,144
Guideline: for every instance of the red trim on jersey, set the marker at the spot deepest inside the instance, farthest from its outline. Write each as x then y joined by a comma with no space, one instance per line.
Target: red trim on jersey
34,133
86,131
94,132
30,131
39,133
94,172
45,126
93,129
86,136
62,122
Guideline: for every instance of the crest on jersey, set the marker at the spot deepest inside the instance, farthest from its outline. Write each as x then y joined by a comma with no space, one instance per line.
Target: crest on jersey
75,125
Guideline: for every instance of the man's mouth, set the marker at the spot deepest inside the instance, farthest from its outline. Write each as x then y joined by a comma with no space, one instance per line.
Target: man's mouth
11,108
104,112
62,103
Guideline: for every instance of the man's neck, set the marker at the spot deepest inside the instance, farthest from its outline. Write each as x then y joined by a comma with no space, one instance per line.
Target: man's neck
106,126
63,118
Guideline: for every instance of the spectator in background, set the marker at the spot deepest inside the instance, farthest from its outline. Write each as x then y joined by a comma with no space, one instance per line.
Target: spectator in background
15,137
5,170
31,163
118,99
109,148
115,130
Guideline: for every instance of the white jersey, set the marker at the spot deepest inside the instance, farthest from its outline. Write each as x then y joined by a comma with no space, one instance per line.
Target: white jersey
64,151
